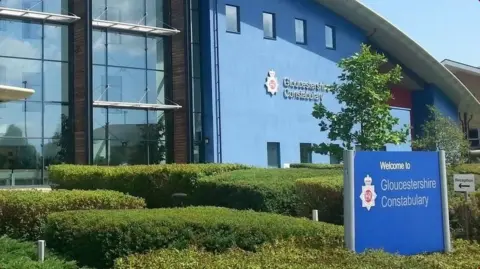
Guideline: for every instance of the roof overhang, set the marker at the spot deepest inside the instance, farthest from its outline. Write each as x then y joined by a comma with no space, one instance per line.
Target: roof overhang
37,15
461,67
134,28
126,105
9,93
393,41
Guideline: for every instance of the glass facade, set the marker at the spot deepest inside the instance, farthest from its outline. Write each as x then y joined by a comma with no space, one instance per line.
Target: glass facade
128,68
37,131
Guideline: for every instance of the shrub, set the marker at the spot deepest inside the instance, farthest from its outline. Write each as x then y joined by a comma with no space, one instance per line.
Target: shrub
265,190
155,183
96,238
316,166
461,211
288,255
17,255
323,194
22,213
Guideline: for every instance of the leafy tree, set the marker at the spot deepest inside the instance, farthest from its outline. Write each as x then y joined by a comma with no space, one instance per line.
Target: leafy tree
442,133
363,94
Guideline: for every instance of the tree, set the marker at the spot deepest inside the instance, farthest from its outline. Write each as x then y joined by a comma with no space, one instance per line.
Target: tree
442,133
363,94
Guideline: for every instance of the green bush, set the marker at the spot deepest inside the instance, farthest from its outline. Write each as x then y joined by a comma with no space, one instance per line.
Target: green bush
289,256
462,212
265,190
323,194
155,183
22,255
97,238
317,166
22,213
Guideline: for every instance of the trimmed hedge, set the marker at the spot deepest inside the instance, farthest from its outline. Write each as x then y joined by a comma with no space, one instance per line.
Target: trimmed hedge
18,255
265,190
97,238
289,256
317,166
22,213
155,183
323,194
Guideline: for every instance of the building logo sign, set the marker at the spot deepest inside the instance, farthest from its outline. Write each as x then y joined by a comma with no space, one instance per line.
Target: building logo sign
368,195
295,90
272,83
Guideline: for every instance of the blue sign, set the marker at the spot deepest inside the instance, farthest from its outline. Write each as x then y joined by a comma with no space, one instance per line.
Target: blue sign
396,202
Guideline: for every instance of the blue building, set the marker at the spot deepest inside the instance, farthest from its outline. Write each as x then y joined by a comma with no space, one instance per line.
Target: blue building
263,64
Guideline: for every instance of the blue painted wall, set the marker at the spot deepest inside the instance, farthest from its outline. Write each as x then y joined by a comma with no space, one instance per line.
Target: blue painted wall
250,116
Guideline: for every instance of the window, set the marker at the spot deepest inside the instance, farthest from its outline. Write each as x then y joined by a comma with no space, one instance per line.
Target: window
473,137
300,31
269,25
232,15
273,154
330,37
305,153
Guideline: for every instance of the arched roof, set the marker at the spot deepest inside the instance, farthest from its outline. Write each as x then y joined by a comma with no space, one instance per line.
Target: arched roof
392,40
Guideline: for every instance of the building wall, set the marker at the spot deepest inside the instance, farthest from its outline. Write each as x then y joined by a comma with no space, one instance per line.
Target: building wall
250,116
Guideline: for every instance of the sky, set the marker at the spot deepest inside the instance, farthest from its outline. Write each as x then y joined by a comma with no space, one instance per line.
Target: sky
447,29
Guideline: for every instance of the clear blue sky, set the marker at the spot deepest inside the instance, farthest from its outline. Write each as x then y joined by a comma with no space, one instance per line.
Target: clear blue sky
445,28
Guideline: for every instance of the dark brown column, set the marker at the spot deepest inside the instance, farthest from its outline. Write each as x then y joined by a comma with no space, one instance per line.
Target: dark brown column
80,66
180,83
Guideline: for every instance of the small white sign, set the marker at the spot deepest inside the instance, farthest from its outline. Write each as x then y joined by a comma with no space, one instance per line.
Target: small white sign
286,165
464,182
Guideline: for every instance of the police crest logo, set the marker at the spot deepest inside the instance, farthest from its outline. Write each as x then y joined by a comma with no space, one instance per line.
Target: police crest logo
368,195
272,83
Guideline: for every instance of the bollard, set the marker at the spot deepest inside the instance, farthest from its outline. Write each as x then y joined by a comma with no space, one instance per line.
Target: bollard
41,250
315,215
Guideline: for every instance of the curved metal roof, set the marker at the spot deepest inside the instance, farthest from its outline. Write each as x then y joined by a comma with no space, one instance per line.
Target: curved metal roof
9,93
392,40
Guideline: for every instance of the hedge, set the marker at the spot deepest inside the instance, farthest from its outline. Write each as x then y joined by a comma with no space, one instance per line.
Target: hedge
289,255
317,166
97,238
22,213
265,190
324,194
18,255
155,183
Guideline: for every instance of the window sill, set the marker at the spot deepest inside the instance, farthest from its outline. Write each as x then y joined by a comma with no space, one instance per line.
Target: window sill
270,38
233,32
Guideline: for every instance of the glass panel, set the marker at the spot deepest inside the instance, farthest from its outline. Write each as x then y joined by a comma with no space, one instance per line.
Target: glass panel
56,45
300,31
22,155
59,150
57,121
14,43
197,95
99,50
268,25
273,154
305,153
22,73
125,11
98,10
195,27
57,7
125,85
126,50
155,53
156,135
23,120
126,125
155,13
156,87
231,13
99,123
100,152
99,83
56,81
196,61
127,152
157,152
329,37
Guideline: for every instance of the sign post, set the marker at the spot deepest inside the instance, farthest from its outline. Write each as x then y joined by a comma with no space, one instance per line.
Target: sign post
465,183
396,201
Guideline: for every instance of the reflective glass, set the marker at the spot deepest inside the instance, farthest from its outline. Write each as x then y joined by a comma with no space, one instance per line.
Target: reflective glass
156,87
100,152
156,126
20,39
56,81
56,45
23,120
268,25
98,10
127,125
127,152
22,73
21,154
300,31
99,87
329,37
125,11
155,53
197,95
157,152
126,50
57,123
99,51
58,150
99,123
232,18
155,13
125,85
